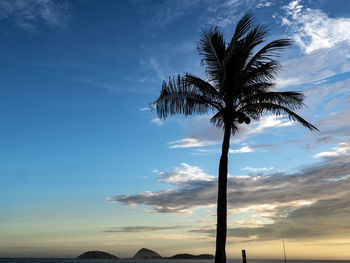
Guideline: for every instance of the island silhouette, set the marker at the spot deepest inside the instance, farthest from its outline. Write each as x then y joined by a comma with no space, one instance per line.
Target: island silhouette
143,253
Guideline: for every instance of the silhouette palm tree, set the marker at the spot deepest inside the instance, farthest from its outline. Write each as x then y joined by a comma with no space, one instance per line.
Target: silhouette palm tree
237,89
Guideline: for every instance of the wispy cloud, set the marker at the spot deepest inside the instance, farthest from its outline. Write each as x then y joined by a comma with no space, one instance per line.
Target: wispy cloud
157,121
325,63
161,14
251,169
205,134
189,143
138,229
264,3
243,149
312,29
226,13
155,66
25,13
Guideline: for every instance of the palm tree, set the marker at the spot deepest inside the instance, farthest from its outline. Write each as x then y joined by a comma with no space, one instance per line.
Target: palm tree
237,89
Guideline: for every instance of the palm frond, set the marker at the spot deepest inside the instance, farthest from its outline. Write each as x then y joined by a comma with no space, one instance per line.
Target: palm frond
290,99
249,89
218,120
268,51
243,25
211,47
178,98
259,109
264,72
204,88
237,53
254,37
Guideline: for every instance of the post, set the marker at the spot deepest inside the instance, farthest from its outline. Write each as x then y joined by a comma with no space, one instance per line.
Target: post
284,251
244,258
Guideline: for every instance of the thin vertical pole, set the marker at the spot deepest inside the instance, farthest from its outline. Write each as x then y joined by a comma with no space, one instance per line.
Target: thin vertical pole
284,251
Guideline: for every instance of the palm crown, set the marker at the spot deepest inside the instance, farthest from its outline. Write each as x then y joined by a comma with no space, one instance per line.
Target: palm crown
239,82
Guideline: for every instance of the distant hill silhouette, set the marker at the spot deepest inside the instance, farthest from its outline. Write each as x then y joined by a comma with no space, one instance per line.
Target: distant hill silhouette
146,253
97,255
190,256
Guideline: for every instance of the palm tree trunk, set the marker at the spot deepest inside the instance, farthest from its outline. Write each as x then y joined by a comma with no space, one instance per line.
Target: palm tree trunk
221,227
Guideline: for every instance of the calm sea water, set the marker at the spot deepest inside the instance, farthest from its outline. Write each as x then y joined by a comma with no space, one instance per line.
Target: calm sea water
66,260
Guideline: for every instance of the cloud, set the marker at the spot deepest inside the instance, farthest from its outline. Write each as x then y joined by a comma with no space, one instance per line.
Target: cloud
321,219
271,121
325,42
226,13
251,169
331,94
315,68
334,128
161,14
25,13
157,121
190,142
155,66
243,149
343,148
314,202
184,175
264,4
150,107
137,229
312,29
203,133
312,183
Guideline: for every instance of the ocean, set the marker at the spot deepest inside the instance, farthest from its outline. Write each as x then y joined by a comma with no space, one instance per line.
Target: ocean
67,260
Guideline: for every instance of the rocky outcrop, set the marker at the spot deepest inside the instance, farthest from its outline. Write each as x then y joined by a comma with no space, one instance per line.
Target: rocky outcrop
146,253
97,254
189,256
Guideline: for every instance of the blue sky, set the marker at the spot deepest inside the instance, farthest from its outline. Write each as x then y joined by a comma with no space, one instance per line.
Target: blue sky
86,164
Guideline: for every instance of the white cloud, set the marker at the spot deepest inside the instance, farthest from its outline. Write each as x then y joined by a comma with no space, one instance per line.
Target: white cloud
264,4
150,107
183,175
314,67
343,148
271,121
285,82
296,197
190,142
244,149
25,13
247,168
157,121
312,29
